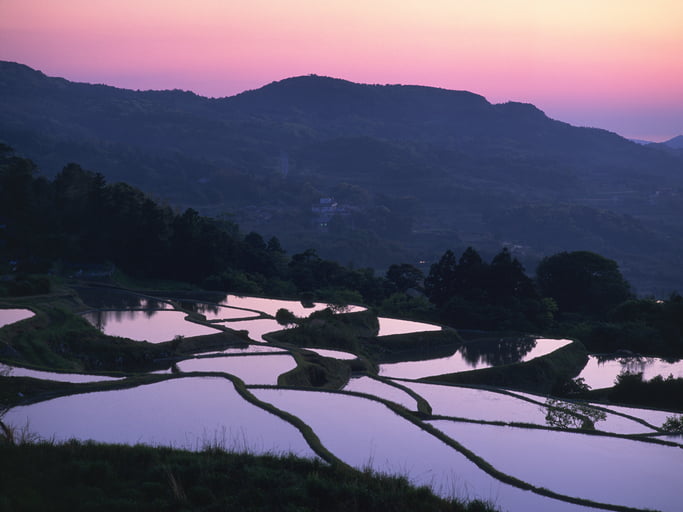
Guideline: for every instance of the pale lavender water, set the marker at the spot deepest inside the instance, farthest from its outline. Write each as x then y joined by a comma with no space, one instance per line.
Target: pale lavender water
334,354
251,349
379,389
254,369
256,328
602,469
458,363
271,306
152,326
604,374
390,326
17,371
477,404
185,413
9,316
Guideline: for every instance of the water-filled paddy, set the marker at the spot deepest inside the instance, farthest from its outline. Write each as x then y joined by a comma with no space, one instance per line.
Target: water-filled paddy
152,326
477,404
390,326
602,420
186,413
256,328
602,469
334,354
464,360
9,316
250,349
271,306
252,369
652,416
214,312
379,389
110,298
17,371
603,374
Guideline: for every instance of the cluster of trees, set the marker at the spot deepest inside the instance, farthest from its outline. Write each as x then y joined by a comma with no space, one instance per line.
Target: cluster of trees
478,295
577,294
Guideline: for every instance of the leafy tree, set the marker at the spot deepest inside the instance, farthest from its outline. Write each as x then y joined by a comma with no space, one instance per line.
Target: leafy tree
441,281
582,282
404,276
507,279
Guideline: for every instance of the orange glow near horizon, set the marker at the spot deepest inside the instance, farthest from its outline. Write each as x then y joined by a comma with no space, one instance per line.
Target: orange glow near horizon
617,59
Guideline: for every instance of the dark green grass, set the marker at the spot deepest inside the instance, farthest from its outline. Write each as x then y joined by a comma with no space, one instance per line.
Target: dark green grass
78,477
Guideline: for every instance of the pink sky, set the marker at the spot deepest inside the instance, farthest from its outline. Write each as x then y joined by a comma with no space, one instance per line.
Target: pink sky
613,64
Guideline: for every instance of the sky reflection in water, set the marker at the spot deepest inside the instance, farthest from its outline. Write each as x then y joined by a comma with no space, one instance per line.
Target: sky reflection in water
602,374
264,369
380,389
185,413
603,469
9,316
390,326
152,326
462,361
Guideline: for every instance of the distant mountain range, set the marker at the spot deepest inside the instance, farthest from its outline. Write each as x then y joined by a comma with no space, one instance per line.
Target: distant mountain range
412,170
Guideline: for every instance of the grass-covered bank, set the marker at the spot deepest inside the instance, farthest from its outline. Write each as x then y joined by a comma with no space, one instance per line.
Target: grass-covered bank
84,476
57,337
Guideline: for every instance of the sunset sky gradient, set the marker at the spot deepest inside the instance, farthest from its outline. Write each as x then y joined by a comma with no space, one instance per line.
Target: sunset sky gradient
614,64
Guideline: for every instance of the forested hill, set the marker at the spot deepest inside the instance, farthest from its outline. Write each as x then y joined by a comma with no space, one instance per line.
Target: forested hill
414,170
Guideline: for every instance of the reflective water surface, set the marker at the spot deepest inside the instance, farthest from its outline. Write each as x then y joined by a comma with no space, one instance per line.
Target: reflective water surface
464,360
256,328
334,354
603,469
254,369
389,326
18,371
153,326
478,404
110,298
215,312
380,389
186,413
249,349
9,316
652,416
603,373
270,306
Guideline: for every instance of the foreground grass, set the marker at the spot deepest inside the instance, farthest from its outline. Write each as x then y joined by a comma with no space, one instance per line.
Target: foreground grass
86,476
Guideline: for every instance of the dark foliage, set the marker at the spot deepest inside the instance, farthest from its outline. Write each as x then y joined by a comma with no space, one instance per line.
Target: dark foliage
582,282
657,392
473,294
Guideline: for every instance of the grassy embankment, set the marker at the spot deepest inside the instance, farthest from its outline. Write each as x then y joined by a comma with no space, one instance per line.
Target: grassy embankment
77,476
58,338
